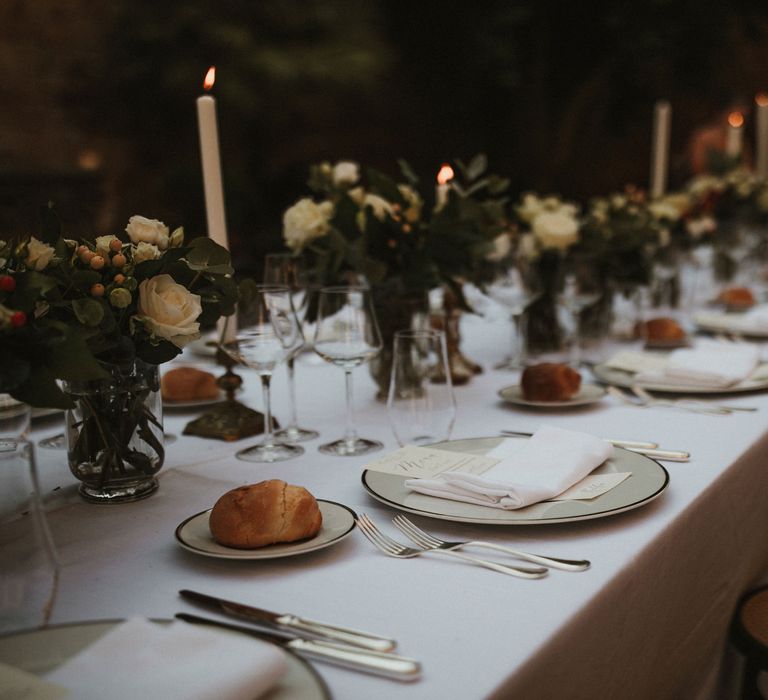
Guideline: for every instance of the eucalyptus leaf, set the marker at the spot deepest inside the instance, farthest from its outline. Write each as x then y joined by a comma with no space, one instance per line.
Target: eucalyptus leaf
207,256
88,311
72,360
477,166
42,391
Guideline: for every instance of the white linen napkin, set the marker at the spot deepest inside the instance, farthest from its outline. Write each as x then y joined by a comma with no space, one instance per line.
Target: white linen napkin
711,363
756,319
547,464
140,659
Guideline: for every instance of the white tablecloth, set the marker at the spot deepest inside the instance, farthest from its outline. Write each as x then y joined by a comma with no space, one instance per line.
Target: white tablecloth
648,620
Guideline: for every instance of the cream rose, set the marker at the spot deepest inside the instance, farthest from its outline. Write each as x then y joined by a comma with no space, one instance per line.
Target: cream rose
169,310
381,207
502,245
140,229
305,221
345,172
145,251
555,230
39,254
102,245
531,207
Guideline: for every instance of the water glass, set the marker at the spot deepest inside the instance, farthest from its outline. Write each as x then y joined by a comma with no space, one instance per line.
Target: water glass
420,410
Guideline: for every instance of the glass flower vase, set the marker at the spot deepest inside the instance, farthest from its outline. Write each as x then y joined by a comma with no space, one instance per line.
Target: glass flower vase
115,433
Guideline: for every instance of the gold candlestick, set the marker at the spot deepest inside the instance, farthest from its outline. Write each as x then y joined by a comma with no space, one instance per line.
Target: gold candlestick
229,420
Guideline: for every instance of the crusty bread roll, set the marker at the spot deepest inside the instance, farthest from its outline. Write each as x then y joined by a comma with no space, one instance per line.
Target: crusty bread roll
739,297
661,330
188,384
550,381
265,513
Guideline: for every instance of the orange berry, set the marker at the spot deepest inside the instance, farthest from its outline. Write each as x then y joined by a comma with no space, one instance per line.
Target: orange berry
116,245
97,262
97,290
87,255
118,260
119,279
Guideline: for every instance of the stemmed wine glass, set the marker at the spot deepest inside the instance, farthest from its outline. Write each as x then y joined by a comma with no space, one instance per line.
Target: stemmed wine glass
580,291
515,287
267,331
347,335
286,269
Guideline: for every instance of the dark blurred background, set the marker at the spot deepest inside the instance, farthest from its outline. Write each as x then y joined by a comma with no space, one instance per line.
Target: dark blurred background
99,97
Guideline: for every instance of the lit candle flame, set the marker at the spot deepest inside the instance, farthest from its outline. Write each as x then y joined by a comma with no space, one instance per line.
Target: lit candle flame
762,99
210,78
736,119
445,174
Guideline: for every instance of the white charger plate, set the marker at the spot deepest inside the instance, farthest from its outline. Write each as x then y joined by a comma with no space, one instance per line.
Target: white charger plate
587,394
41,650
623,378
194,534
726,323
648,481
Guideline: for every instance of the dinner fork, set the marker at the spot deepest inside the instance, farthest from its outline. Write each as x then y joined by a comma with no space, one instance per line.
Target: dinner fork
424,539
393,548
688,404
640,402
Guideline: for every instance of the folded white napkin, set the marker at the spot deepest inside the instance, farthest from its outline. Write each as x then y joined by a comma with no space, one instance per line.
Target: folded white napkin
711,363
756,319
550,462
141,659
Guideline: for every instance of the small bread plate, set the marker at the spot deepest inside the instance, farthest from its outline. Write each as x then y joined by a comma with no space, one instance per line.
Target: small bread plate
620,377
42,650
647,482
338,522
587,394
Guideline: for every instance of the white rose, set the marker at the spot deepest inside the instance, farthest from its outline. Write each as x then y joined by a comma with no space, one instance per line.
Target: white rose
169,310
664,210
381,207
345,172
102,244
413,202
140,229
527,246
502,245
145,251
698,227
305,221
531,207
555,230
39,254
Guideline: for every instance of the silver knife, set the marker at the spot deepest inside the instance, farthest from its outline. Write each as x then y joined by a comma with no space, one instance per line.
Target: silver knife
380,663
618,443
291,623
664,455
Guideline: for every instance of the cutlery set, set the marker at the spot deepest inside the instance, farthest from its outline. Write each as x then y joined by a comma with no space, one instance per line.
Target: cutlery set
638,396
429,544
352,649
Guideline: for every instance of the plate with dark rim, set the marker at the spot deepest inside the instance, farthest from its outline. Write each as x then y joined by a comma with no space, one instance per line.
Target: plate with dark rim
587,394
648,481
39,651
338,522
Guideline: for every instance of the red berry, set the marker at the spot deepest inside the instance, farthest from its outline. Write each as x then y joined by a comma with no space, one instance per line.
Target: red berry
19,319
7,283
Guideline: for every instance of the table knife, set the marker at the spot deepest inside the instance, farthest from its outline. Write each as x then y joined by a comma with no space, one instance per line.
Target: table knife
380,663
663,455
291,623
618,443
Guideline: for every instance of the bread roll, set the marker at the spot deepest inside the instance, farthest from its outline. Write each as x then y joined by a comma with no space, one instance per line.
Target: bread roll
265,513
738,297
661,330
188,384
550,381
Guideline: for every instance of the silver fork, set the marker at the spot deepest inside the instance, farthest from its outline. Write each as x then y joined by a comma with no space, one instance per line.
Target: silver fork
424,539
696,405
648,401
393,548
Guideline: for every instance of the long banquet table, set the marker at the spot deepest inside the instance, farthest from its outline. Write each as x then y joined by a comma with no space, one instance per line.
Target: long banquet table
648,620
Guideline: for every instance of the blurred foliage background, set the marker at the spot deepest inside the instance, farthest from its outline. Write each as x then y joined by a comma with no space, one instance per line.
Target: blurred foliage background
99,97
